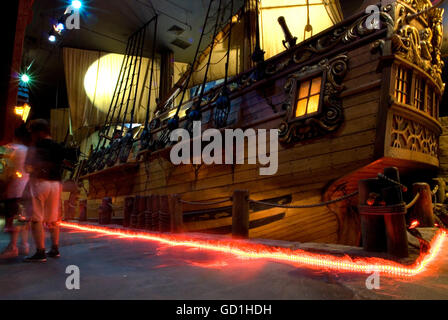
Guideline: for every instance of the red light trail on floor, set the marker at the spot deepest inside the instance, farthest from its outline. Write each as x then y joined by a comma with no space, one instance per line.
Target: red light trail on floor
250,250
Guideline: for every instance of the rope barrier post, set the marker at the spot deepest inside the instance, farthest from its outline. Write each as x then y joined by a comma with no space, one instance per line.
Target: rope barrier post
372,226
105,211
176,213
82,210
155,212
440,194
422,211
397,239
240,214
148,212
135,212
141,212
164,215
127,212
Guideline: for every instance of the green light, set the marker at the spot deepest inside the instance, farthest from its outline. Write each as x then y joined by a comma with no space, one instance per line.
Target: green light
25,78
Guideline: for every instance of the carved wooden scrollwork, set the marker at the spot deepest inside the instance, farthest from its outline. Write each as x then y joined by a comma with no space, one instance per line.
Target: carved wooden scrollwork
410,135
420,42
330,116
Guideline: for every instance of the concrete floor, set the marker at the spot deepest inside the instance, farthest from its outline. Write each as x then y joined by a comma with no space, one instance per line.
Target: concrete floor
113,268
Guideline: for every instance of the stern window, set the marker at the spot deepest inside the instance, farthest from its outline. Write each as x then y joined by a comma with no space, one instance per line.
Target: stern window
402,85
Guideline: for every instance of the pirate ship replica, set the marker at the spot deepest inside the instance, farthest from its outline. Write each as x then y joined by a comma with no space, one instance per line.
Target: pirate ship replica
359,96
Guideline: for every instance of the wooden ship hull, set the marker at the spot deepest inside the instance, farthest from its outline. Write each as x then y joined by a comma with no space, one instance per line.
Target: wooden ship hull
378,107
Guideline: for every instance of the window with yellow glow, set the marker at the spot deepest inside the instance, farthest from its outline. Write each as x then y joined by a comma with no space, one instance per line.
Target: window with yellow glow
308,97
419,92
402,85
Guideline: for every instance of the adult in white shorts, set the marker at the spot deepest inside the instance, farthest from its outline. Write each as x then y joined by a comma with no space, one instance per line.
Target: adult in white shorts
44,164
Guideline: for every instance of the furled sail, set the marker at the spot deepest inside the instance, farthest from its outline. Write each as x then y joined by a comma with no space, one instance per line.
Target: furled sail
305,18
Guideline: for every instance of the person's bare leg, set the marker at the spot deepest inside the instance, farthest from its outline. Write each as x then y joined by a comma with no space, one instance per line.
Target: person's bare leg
25,247
54,232
14,238
38,235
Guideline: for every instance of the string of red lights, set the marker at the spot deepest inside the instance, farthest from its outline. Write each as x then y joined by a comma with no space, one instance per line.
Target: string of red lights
250,250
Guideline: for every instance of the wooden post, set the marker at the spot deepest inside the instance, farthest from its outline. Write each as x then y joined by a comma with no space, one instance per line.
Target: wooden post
164,215
422,210
141,212
135,211
105,214
372,226
176,213
127,212
397,239
148,212
240,214
83,210
441,192
155,212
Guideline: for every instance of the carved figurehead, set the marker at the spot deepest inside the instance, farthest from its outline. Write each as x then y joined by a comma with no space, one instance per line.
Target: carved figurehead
436,22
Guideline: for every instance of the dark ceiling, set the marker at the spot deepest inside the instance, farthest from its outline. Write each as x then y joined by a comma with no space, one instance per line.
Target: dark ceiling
106,26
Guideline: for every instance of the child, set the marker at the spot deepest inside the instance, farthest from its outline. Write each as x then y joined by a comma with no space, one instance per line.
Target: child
17,179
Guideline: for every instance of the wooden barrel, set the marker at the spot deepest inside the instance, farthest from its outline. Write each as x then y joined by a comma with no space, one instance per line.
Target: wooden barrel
397,238
372,226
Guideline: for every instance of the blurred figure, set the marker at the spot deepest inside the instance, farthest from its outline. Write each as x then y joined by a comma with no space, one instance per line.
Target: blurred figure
17,179
44,164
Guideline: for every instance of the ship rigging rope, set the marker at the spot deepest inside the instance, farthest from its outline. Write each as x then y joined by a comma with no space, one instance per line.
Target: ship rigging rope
206,203
190,71
321,204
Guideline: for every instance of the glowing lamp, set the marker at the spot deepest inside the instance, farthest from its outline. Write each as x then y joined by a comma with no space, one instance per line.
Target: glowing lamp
76,4
23,111
52,38
59,27
19,174
25,78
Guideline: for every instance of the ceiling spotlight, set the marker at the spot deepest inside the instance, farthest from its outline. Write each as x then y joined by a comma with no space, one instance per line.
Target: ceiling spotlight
76,4
59,27
51,37
25,78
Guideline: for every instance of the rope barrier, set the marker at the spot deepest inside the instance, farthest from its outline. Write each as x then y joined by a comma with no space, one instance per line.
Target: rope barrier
205,203
413,202
396,209
322,204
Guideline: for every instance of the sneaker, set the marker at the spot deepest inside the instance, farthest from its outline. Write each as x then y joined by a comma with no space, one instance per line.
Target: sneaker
24,249
53,253
39,256
9,252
